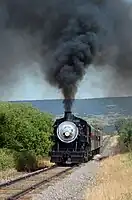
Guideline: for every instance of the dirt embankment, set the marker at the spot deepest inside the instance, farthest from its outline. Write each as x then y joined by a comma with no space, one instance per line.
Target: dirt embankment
113,181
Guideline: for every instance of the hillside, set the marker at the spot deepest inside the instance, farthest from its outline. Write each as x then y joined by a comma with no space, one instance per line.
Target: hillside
106,110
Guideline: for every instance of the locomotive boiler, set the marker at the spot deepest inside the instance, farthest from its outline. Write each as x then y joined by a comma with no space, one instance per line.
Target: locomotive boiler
75,141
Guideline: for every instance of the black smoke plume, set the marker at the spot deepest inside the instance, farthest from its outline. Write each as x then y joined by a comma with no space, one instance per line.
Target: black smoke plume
71,35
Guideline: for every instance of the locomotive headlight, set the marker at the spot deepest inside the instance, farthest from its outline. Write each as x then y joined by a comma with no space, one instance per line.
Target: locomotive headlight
67,132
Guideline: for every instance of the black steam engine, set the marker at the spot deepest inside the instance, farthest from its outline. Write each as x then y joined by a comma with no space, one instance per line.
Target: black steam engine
75,141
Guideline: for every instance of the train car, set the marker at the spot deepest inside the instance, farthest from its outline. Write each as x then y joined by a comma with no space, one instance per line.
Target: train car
75,141
96,140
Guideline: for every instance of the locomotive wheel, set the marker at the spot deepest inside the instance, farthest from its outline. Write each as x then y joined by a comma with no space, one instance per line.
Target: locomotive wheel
60,164
87,155
98,151
86,158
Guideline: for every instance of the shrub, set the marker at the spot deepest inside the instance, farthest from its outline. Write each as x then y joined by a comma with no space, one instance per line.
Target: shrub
119,123
23,127
6,159
25,161
124,129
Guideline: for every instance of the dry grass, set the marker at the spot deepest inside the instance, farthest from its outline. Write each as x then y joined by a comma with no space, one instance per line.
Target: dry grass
44,162
9,173
13,173
114,180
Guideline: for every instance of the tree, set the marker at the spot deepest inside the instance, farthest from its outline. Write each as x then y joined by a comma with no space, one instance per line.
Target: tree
124,129
23,127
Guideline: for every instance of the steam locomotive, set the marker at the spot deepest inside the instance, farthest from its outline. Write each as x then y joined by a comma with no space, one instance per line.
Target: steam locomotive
75,141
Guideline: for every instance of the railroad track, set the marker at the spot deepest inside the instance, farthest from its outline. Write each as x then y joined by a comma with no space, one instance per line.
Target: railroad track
19,187
105,142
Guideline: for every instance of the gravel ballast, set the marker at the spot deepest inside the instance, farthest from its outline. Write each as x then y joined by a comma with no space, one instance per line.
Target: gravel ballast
73,186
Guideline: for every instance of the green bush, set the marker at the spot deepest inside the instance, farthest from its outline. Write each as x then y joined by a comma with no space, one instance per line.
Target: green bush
25,161
6,159
124,129
23,127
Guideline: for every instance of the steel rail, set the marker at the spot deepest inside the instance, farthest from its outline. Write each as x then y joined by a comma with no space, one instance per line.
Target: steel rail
29,189
10,182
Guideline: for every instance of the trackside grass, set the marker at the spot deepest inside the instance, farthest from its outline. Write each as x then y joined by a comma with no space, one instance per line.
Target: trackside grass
114,179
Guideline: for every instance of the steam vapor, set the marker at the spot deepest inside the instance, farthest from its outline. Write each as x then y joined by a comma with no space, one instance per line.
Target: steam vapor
71,35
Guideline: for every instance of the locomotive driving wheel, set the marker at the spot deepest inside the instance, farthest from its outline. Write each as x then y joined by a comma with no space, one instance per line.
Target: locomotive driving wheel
98,151
87,154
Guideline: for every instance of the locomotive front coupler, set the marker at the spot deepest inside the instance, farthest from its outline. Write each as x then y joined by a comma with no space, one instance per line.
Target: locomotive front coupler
67,158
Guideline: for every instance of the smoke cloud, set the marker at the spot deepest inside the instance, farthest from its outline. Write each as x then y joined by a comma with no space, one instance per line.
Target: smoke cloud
66,37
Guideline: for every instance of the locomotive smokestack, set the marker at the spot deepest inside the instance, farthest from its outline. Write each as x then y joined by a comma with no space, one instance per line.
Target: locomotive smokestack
68,115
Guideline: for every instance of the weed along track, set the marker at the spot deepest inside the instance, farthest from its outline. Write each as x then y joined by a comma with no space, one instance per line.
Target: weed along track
18,188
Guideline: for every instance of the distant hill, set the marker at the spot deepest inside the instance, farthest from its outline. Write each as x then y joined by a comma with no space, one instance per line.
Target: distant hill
83,107
105,109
